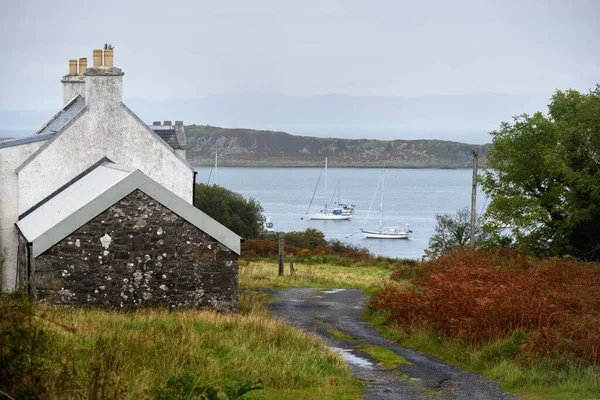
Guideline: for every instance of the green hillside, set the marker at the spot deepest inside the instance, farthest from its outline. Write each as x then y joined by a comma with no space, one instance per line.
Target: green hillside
247,147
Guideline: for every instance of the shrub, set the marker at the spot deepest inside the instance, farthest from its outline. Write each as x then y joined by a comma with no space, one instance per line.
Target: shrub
452,232
23,349
308,243
309,239
484,295
242,216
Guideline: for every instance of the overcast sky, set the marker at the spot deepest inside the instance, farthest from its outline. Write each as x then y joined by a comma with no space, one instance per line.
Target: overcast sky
193,48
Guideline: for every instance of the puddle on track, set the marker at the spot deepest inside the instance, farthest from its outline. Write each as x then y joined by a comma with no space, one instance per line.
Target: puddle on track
332,291
350,358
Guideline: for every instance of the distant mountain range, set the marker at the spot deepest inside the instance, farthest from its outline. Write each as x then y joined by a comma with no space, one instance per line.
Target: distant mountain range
246,147
463,118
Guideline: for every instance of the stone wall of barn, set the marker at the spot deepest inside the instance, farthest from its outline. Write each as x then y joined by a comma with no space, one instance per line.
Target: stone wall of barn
138,253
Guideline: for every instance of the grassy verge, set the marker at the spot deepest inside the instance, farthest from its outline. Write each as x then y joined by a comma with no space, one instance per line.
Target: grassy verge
262,274
91,353
499,360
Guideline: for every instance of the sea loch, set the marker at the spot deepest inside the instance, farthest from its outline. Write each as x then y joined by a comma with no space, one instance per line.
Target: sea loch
412,196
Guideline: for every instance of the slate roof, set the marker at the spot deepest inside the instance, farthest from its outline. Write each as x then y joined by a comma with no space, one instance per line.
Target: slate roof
172,134
76,204
28,139
63,117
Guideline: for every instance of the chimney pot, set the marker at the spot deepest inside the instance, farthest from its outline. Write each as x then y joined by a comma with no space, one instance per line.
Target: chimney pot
156,123
97,57
82,66
73,67
108,57
167,123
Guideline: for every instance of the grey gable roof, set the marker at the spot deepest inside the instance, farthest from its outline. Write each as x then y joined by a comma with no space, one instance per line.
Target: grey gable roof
63,117
100,189
28,139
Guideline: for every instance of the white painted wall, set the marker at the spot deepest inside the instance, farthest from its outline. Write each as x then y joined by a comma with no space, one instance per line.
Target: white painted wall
72,86
10,159
103,130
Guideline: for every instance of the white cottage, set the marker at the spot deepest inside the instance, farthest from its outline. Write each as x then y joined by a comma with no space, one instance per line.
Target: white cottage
93,156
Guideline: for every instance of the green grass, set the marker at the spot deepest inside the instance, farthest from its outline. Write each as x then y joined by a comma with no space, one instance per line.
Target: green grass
126,355
500,360
340,335
386,357
263,274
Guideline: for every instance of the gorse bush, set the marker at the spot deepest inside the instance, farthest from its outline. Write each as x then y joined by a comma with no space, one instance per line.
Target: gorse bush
484,295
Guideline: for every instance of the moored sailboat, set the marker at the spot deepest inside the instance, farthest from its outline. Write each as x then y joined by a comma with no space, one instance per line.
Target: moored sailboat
383,232
327,213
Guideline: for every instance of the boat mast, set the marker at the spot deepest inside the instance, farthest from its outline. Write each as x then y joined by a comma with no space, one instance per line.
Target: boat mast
216,170
325,183
381,203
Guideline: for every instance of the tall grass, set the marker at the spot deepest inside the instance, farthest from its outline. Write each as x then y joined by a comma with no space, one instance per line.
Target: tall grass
91,353
264,274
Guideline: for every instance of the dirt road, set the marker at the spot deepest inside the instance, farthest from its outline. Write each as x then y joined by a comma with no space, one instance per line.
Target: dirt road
422,377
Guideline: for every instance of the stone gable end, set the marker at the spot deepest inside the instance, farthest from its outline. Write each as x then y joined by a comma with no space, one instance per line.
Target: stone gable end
138,253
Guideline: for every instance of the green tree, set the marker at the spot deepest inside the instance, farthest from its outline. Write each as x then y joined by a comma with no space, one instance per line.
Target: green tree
453,231
242,216
543,177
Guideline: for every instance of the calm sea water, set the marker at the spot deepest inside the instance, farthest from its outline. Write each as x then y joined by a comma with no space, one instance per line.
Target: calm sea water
412,196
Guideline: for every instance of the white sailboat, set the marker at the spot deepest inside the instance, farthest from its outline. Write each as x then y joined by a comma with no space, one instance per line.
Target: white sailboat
347,209
269,226
383,232
334,214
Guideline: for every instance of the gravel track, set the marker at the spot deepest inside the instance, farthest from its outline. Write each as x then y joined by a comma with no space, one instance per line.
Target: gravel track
424,377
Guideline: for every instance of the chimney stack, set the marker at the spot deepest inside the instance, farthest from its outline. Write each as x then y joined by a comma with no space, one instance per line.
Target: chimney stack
73,84
181,139
103,81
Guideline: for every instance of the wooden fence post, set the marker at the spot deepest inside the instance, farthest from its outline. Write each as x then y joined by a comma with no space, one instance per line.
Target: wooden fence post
280,253
292,271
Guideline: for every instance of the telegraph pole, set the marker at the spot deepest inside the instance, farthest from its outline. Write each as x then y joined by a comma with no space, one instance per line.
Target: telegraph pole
281,249
473,200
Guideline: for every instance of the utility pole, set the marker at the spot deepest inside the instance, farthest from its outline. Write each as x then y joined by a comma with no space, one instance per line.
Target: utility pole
281,253
473,200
